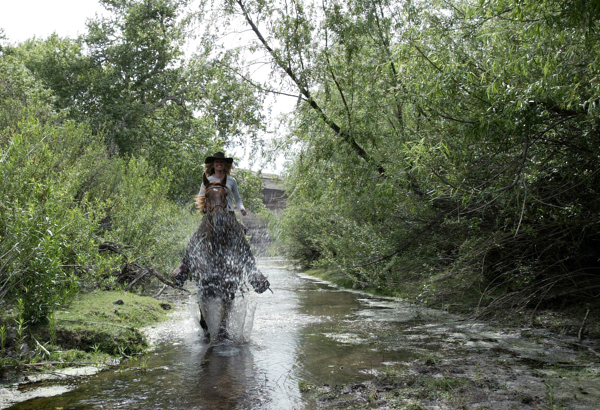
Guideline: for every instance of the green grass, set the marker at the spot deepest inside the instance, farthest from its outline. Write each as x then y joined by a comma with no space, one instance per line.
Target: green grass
92,330
93,323
136,311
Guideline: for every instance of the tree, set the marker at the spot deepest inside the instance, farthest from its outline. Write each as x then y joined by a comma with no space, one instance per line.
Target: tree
130,80
482,119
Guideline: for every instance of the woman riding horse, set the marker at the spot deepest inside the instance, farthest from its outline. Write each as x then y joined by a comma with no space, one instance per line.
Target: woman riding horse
218,255
216,167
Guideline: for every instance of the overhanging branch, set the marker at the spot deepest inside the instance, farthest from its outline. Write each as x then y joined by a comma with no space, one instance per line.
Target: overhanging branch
345,135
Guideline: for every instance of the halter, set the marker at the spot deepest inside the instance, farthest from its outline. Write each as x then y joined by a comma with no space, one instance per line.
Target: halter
217,187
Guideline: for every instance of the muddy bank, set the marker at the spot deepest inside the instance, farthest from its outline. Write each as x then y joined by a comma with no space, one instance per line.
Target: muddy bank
464,364
504,363
477,381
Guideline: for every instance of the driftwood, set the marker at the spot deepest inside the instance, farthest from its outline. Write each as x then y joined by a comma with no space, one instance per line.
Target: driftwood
143,273
579,345
40,364
131,272
161,291
580,334
113,247
167,281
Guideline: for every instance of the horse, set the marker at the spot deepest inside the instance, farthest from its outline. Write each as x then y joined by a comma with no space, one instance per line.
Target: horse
218,257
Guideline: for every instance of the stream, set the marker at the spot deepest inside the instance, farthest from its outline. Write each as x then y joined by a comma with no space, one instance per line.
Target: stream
310,333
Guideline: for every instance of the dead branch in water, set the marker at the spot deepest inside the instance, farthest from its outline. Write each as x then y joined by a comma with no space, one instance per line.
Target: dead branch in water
580,334
40,364
132,273
167,281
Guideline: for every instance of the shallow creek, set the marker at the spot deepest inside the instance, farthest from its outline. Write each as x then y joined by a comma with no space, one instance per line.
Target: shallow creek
311,333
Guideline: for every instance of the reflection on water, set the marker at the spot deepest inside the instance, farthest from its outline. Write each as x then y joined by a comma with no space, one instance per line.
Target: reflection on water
305,330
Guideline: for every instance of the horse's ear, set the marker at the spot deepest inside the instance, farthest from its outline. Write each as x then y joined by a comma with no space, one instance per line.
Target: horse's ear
224,180
205,180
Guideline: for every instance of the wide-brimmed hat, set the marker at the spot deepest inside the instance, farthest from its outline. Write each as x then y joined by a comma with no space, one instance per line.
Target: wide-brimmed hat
218,155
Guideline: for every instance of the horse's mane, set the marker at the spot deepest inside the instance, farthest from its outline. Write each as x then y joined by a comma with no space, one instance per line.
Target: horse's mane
221,225
200,201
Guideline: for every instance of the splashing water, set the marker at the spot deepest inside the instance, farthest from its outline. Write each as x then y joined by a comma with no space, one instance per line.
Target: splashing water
221,262
228,319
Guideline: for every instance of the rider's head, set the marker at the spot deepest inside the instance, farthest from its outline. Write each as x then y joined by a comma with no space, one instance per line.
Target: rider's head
218,161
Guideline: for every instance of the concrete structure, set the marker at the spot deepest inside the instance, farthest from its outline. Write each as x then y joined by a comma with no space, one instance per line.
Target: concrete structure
273,192
274,199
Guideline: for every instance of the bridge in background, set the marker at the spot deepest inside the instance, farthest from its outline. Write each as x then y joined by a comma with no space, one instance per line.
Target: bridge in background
273,193
275,200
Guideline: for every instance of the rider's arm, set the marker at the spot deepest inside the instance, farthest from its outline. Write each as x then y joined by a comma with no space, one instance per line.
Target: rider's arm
236,196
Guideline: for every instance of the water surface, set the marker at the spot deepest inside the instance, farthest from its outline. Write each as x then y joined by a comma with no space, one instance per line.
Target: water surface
307,330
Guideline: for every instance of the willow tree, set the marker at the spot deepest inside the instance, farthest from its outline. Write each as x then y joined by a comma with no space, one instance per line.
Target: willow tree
351,183
462,135
509,136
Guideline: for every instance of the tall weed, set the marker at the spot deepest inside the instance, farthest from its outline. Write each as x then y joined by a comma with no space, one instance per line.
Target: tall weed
47,236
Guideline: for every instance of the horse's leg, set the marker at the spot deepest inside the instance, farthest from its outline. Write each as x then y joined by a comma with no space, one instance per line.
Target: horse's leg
203,324
226,307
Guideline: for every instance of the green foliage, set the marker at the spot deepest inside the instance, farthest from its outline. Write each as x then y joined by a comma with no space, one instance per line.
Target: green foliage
53,201
61,66
135,52
129,79
143,221
20,94
59,188
99,137
47,234
443,137
510,140
250,189
42,226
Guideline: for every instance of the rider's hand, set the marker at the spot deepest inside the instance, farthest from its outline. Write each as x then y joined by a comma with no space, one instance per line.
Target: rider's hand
259,282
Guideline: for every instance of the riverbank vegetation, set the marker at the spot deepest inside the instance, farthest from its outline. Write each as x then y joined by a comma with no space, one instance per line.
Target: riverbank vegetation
444,150
102,140
100,328
448,148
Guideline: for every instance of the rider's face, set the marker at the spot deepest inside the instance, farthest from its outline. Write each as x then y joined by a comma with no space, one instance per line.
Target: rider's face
219,164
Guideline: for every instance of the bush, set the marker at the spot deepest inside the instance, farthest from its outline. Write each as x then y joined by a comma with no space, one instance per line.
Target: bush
149,227
47,235
62,195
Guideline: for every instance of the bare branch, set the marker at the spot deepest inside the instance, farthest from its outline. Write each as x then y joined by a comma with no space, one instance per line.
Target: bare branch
303,88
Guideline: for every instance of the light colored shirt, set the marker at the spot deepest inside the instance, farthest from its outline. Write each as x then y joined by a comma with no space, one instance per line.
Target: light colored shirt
232,195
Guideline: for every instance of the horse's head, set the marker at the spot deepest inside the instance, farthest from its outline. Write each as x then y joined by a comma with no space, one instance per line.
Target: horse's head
216,194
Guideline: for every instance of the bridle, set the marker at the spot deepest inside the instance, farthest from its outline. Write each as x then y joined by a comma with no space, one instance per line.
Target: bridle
216,188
